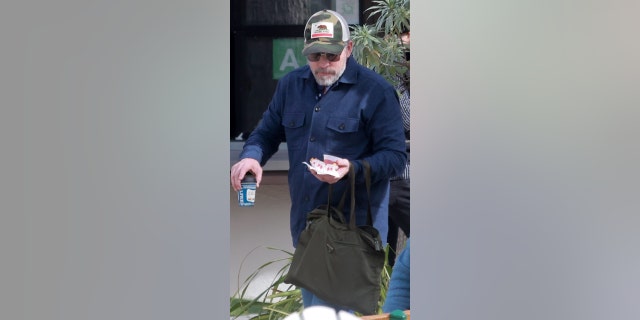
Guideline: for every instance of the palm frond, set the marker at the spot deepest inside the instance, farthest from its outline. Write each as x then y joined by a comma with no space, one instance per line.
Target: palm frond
379,46
276,301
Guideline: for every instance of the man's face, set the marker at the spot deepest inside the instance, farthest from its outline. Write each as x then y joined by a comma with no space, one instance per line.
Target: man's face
327,72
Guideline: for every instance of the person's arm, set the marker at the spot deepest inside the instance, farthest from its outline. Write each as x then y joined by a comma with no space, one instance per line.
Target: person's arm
384,126
399,285
263,142
265,139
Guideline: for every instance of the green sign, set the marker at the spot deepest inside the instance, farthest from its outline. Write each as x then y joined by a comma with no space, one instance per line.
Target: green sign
287,55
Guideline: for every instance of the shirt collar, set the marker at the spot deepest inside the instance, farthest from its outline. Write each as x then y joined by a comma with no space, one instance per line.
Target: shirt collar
350,74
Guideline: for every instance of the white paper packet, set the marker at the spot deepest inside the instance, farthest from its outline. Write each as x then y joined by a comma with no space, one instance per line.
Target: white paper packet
327,166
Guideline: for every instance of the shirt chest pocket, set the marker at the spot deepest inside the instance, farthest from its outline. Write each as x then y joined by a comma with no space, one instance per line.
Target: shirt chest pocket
293,124
343,125
344,137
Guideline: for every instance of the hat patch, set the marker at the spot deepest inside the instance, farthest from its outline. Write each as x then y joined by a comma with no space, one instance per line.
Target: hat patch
321,29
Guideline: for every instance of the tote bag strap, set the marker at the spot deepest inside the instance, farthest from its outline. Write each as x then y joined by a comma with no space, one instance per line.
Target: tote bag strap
340,207
367,181
352,187
352,184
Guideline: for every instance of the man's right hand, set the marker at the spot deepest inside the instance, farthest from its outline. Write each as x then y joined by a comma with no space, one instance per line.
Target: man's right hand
240,169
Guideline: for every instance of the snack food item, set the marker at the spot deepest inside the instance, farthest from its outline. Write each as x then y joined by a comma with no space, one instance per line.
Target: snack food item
326,166
322,165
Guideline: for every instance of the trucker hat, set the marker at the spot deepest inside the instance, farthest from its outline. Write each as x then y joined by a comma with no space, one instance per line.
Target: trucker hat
326,31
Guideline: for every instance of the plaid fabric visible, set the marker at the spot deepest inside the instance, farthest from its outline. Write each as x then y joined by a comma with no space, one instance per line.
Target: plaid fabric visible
406,120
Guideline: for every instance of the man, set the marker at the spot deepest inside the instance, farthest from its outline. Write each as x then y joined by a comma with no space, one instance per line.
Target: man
331,106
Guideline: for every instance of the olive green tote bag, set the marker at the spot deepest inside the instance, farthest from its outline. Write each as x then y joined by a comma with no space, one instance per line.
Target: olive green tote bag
340,262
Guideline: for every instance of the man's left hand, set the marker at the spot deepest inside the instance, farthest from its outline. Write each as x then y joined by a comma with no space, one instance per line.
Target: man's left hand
343,170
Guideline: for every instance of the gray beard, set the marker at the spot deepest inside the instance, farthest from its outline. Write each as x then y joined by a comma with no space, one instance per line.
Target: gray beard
327,82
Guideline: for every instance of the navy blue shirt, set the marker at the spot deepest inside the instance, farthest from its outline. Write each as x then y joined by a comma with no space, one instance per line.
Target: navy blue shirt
358,118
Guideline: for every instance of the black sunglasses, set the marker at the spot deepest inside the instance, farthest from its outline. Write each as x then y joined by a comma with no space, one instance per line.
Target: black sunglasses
314,57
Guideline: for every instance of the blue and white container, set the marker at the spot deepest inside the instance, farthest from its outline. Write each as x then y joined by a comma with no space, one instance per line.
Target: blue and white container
247,195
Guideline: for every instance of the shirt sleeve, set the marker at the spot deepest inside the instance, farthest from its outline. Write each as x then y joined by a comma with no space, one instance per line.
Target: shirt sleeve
387,137
265,140
398,295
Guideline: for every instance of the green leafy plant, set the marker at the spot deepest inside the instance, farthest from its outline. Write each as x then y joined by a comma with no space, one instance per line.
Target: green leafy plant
279,299
378,46
276,301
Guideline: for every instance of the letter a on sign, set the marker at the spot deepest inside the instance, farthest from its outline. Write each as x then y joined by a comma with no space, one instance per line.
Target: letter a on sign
287,56
289,60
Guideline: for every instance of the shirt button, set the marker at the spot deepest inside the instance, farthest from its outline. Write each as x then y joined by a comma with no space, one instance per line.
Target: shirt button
317,109
341,127
292,123
312,139
306,198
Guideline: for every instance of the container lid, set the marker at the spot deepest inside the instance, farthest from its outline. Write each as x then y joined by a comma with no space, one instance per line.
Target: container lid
397,314
249,178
